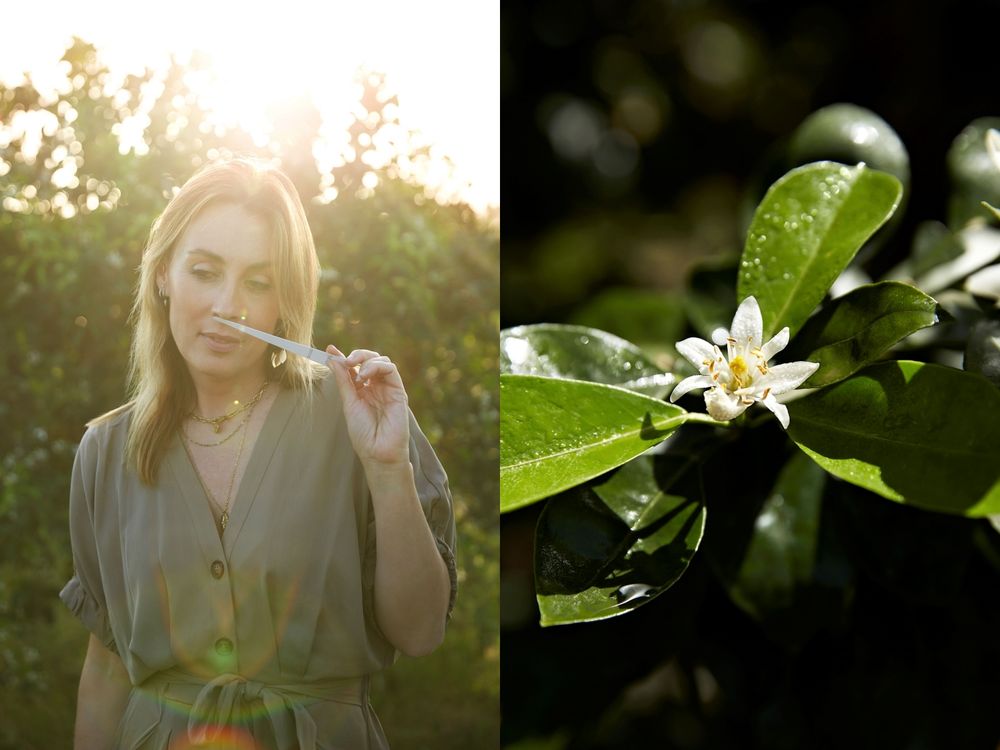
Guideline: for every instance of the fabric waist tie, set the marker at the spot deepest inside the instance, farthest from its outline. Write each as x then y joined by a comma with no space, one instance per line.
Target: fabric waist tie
217,703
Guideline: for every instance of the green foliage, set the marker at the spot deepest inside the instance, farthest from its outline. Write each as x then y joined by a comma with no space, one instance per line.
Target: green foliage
557,433
606,549
916,433
805,232
782,550
580,353
857,328
850,134
402,273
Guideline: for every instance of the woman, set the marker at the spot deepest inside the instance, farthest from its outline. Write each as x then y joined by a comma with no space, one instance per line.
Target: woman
253,534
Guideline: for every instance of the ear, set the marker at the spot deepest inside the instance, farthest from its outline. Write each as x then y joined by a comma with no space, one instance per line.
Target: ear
161,280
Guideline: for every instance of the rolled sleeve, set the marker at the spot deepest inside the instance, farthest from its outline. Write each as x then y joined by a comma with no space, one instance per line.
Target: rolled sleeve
84,593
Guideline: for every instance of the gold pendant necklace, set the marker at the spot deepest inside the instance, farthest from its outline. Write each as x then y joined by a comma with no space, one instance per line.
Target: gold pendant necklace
217,422
224,518
218,442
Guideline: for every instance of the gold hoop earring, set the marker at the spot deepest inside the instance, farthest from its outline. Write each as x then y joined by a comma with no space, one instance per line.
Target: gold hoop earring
278,358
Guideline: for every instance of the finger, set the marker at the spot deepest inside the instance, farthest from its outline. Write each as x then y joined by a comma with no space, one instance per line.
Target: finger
331,349
375,368
343,372
361,355
386,373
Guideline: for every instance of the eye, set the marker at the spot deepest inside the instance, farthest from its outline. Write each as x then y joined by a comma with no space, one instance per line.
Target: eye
202,273
258,285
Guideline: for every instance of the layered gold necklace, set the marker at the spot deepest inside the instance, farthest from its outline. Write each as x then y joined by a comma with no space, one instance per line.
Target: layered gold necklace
217,424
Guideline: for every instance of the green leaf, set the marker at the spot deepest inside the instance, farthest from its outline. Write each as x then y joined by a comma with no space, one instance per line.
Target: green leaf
556,434
807,229
854,330
578,353
605,550
919,434
782,549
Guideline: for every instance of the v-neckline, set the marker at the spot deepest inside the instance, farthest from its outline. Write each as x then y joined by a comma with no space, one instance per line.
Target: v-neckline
193,490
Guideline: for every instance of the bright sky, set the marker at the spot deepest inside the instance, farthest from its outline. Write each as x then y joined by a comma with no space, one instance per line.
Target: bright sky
442,57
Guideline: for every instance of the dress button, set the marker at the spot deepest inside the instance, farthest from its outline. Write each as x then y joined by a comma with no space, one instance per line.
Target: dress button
218,568
223,647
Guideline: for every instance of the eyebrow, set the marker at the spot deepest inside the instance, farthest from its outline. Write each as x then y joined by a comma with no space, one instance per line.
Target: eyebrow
219,259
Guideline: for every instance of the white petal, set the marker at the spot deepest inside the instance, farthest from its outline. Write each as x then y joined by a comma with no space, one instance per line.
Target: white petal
719,336
780,410
696,351
723,405
748,326
781,378
690,384
775,345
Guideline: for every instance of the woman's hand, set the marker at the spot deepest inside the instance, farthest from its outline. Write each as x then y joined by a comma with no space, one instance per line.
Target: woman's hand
412,586
374,406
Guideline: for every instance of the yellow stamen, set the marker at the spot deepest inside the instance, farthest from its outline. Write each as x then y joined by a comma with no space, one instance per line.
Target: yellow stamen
738,367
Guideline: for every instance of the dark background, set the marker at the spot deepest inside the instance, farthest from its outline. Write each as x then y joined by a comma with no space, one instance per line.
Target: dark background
927,69
632,133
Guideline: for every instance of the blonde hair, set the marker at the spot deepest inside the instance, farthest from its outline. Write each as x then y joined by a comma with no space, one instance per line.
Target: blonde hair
160,387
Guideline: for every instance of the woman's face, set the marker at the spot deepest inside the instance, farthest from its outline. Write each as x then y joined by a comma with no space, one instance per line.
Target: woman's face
221,266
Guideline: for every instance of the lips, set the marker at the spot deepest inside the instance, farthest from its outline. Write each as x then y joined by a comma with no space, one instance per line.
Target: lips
221,343
221,338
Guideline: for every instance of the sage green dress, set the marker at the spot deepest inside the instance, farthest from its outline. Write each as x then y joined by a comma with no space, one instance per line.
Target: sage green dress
265,637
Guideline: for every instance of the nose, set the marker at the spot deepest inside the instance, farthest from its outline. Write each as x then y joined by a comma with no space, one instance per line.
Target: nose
229,302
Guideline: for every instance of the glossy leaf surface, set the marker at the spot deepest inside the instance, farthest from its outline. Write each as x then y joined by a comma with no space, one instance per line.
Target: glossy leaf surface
580,353
782,549
556,434
805,231
602,551
854,330
920,434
